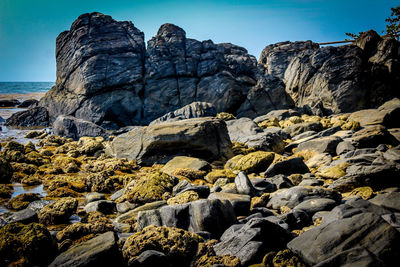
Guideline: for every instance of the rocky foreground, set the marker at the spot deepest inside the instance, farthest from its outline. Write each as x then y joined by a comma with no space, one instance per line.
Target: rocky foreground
284,189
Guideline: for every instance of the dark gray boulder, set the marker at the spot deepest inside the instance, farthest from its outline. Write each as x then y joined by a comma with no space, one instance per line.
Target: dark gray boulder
365,230
103,206
204,138
37,116
193,110
293,196
150,258
287,167
210,215
240,203
28,103
246,131
389,201
275,58
9,103
243,185
100,65
312,206
99,251
280,181
74,128
251,241
325,144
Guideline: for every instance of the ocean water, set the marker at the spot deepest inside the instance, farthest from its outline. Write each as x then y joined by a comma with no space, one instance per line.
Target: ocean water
24,87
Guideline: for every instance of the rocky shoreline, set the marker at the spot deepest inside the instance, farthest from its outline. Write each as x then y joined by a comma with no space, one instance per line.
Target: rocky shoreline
291,189
188,153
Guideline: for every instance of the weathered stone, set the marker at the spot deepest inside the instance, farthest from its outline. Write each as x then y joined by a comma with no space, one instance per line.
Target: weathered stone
178,245
372,136
193,110
182,162
293,196
389,201
287,167
37,116
365,230
250,242
321,145
213,216
103,206
240,203
59,211
30,245
204,138
74,128
312,206
101,250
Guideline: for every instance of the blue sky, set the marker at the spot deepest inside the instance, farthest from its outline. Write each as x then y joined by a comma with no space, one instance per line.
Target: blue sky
28,28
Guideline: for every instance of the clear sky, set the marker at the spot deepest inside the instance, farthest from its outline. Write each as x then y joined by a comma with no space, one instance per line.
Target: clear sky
28,28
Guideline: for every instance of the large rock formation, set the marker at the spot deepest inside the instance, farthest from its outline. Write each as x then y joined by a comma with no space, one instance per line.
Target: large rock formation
346,78
105,73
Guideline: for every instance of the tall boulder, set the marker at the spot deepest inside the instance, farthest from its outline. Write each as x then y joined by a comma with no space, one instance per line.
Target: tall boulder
100,66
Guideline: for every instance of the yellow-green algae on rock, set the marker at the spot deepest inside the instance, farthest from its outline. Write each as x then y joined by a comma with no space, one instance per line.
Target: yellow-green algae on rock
25,245
149,188
255,162
177,244
185,197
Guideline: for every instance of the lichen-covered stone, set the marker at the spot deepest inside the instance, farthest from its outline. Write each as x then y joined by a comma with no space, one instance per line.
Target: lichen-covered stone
271,122
25,245
335,172
239,148
58,212
185,197
206,257
255,162
187,173
364,192
177,244
54,140
216,174
6,191
6,171
149,188
22,201
111,164
67,164
225,116
282,259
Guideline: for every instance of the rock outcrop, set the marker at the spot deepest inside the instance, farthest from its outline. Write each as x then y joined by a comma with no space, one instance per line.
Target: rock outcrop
105,73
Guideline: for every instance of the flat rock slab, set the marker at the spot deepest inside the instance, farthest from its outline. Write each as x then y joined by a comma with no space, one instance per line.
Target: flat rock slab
204,138
365,230
101,251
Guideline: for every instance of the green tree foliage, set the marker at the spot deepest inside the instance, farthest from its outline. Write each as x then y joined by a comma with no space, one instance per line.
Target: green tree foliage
392,28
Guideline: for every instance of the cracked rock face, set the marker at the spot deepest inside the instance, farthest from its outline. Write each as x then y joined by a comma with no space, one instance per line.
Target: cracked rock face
105,73
100,71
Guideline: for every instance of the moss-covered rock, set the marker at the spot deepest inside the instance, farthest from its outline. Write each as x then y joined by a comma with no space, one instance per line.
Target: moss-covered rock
351,125
67,164
225,116
364,192
290,121
271,122
187,173
31,180
6,191
177,244
6,171
231,163
63,192
283,258
25,245
239,148
24,168
79,232
76,183
206,257
90,145
36,158
54,140
149,188
29,147
185,197
22,201
255,162
111,164
58,212
216,174
260,201
335,172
